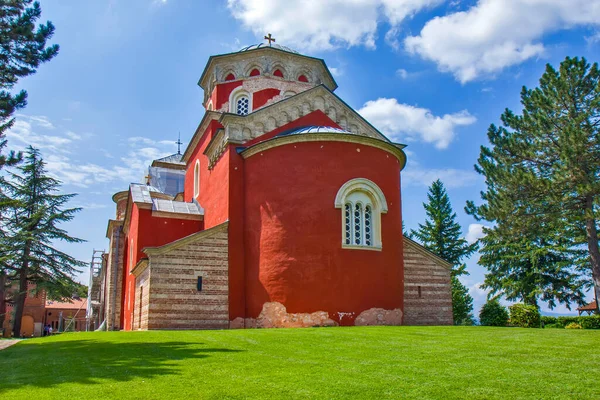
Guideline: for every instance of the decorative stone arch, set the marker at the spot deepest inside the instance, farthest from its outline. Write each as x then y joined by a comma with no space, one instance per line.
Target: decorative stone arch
361,202
250,68
237,95
278,66
288,93
210,106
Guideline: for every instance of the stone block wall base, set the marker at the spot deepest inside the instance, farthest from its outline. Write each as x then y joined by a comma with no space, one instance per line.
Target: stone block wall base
275,315
379,316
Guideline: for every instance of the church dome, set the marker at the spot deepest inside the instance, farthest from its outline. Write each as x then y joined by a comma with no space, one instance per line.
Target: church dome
263,45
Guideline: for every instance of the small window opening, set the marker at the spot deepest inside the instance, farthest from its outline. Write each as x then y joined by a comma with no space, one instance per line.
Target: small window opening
230,77
303,78
278,73
419,290
255,72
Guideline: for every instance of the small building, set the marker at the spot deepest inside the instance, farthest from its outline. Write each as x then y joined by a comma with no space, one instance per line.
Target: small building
38,311
72,315
590,309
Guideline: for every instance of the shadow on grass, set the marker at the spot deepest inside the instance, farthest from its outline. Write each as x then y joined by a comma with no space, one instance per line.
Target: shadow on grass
49,363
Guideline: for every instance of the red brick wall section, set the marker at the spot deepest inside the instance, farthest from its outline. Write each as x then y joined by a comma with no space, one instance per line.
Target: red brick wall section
175,301
434,306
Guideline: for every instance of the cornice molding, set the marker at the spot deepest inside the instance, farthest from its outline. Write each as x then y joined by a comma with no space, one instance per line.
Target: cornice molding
242,128
140,267
326,137
429,254
209,116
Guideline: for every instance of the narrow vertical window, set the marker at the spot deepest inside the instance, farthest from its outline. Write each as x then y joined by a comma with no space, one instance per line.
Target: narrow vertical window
347,223
242,105
197,178
368,226
358,224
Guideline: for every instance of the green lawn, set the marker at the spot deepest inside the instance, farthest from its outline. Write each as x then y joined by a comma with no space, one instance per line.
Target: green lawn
328,363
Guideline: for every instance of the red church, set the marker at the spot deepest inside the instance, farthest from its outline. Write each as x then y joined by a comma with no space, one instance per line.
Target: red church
283,211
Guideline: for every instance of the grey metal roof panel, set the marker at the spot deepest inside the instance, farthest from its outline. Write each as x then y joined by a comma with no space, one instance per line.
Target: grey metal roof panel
177,207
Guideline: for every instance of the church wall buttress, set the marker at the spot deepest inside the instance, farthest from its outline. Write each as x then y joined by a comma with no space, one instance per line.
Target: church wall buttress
175,302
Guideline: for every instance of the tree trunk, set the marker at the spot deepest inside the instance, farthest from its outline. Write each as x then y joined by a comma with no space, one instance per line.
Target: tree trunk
2,298
592,239
22,294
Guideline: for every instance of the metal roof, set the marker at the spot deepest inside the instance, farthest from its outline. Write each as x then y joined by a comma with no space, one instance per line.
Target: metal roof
177,207
315,129
275,46
141,193
172,159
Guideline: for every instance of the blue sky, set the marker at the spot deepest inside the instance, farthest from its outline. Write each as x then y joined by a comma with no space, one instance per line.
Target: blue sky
429,73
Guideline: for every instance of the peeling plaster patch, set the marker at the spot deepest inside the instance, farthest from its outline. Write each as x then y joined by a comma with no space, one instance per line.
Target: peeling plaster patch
379,316
274,315
341,315
237,323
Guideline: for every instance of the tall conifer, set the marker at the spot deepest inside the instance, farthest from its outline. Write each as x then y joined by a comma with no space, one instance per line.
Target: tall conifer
22,50
543,188
441,234
36,209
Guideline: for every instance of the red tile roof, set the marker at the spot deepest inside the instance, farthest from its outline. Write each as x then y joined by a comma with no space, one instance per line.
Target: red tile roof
589,307
76,304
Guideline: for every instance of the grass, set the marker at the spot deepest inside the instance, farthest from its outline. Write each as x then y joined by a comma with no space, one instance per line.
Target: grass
325,363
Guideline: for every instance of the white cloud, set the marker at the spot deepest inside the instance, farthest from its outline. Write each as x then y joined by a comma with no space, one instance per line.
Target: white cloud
452,178
402,73
406,122
475,233
56,152
336,72
594,38
325,24
24,133
495,34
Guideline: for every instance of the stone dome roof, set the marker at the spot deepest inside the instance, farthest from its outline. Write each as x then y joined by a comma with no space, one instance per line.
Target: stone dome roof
262,45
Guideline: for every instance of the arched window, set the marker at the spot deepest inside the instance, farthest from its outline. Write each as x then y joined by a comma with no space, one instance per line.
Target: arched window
278,73
362,202
230,77
240,102
302,78
255,72
197,178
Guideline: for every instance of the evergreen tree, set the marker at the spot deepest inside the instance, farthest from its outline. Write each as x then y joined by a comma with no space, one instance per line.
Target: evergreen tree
441,234
32,226
543,189
22,50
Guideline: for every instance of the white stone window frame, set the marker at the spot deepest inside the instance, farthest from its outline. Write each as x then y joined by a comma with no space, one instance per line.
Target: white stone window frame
197,179
366,193
237,94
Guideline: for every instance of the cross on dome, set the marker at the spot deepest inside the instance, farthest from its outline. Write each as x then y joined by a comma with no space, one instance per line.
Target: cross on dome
269,38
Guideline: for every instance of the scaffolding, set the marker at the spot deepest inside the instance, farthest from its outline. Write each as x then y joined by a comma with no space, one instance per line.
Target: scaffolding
95,290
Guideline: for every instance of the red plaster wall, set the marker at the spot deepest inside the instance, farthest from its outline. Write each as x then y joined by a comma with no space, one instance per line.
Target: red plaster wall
148,231
214,184
293,232
221,92
261,97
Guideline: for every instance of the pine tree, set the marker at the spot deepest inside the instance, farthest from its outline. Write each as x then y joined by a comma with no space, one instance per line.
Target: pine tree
441,234
22,50
32,225
543,176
